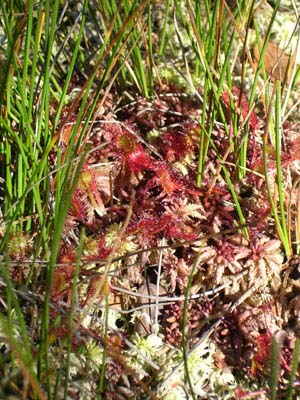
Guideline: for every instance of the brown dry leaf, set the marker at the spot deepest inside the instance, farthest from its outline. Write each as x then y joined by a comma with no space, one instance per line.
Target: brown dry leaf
144,323
65,134
277,63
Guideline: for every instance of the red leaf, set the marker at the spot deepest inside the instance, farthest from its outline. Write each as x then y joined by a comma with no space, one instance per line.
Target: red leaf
139,160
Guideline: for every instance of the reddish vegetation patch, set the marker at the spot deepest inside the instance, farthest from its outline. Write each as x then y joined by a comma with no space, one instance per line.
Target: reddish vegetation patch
137,200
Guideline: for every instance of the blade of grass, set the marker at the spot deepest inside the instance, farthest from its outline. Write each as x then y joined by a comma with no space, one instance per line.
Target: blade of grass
71,66
104,355
72,325
230,184
274,369
50,29
294,368
137,58
163,36
260,65
150,52
244,143
278,138
281,232
36,49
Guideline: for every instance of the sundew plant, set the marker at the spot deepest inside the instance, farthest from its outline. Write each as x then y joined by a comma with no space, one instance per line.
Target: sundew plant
149,199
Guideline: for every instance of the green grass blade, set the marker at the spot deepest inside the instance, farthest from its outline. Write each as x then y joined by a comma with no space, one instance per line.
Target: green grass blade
274,369
282,235
72,65
278,138
104,355
294,368
71,324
